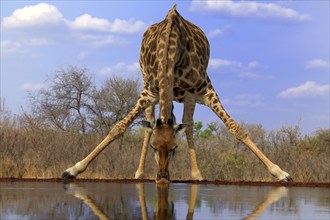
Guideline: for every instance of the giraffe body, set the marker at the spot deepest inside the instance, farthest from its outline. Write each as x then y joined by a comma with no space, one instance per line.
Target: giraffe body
173,60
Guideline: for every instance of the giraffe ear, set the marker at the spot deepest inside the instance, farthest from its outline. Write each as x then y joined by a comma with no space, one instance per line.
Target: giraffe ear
180,128
147,124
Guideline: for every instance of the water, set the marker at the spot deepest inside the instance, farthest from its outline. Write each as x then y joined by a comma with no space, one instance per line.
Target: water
44,200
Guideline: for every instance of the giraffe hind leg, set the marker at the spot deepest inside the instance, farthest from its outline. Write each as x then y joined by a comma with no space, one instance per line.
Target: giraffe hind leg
189,108
213,102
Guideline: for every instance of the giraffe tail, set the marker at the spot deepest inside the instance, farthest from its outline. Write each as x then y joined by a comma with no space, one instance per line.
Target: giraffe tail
167,59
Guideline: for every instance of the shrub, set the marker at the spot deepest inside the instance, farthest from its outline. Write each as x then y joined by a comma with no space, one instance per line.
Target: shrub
45,152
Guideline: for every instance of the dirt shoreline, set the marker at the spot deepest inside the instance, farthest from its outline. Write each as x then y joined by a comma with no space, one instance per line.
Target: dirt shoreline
214,182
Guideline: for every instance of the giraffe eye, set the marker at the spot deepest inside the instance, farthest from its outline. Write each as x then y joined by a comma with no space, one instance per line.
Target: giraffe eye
173,148
153,147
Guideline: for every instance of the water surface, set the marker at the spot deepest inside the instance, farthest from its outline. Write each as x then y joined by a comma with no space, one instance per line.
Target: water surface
45,200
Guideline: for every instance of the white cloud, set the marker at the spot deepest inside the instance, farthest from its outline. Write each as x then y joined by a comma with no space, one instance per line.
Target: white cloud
32,86
20,47
217,32
37,41
134,67
252,75
253,64
307,90
245,100
38,25
317,63
104,41
88,22
215,63
121,68
249,9
242,70
82,55
8,46
106,71
127,26
47,14
34,15
214,33
109,40
101,40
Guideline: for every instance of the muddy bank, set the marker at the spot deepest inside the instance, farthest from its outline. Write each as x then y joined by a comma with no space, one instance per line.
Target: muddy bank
214,182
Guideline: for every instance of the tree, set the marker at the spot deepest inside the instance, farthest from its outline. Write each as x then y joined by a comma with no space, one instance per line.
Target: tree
5,114
113,101
72,101
198,125
63,104
207,132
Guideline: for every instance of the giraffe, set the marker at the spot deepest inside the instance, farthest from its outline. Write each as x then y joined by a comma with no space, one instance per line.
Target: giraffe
173,59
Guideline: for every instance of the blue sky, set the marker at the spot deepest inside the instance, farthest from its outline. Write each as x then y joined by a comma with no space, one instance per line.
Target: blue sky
269,59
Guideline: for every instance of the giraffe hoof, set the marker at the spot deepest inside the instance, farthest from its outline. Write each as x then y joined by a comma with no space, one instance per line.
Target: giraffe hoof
67,175
287,179
196,175
139,175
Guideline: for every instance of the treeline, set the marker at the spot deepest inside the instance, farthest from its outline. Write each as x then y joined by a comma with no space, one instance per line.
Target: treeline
72,101
71,115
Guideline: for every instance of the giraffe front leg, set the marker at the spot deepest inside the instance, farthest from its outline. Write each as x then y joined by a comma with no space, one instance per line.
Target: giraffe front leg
274,169
189,108
195,173
117,131
81,166
150,116
212,101
74,171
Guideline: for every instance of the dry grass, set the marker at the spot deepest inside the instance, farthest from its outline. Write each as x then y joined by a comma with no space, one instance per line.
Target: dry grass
29,151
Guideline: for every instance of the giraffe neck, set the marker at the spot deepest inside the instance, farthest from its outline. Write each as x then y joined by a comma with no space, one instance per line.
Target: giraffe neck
166,55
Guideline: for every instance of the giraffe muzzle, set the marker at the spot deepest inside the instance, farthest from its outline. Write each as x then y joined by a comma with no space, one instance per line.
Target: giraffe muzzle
163,177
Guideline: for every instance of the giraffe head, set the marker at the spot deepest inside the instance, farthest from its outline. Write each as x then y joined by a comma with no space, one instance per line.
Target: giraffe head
164,145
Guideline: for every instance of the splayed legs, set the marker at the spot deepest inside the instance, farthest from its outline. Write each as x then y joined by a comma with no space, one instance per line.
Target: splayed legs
212,101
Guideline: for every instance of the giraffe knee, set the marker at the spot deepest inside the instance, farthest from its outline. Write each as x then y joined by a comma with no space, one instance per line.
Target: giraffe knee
238,132
118,130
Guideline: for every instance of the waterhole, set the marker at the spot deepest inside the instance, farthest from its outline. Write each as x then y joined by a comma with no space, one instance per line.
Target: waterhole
102,200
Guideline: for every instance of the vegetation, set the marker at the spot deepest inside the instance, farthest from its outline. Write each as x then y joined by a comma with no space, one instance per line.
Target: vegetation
70,118
72,102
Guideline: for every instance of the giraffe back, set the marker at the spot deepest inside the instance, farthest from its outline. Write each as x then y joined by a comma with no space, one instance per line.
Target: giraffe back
174,57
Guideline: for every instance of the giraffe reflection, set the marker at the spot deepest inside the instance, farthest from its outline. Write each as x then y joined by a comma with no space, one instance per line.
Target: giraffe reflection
165,208
82,194
272,197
